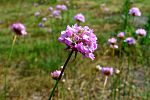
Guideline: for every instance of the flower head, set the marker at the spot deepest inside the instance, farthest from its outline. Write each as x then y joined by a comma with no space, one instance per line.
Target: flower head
41,25
112,41
50,8
107,71
55,74
61,7
19,29
37,14
81,39
130,40
141,32
56,13
79,17
134,11
121,35
44,19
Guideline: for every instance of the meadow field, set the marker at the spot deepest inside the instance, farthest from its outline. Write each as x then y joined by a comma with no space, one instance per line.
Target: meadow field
27,62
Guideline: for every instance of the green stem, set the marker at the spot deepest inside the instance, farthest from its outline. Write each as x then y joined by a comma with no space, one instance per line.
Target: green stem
62,71
126,9
5,70
127,73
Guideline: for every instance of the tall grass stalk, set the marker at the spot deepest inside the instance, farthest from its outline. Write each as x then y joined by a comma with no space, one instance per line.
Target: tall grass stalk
5,69
105,82
126,9
127,72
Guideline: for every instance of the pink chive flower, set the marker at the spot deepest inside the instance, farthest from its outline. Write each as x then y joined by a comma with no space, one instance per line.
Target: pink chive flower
130,41
44,19
37,14
41,25
114,46
121,35
56,13
50,8
55,74
19,29
80,39
79,17
107,71
140,32
134,11
58,7
61,7
112,41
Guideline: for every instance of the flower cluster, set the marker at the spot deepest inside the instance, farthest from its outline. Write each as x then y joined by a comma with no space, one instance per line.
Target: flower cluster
61,7
55,74
134,11
140,32
79,17
19,29
121,35
80,39
56,13
130,41
50,8
107,71
112,42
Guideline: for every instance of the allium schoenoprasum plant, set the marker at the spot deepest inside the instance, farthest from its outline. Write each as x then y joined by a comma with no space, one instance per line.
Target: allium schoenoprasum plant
132,47
37,58
20,30
77,39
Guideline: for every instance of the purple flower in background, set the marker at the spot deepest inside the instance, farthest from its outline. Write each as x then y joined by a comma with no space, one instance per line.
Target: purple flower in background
44,19
61,7
37,14
55,74
121,35
50,8
19,29
56,13
134,11
79,17
80,39
130,40
58,7
41,25
107,71
112,41
140,32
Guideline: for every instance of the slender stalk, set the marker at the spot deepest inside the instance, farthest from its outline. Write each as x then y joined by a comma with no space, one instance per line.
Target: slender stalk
113,55
105,82
120,56
62,71
5,70
106,78
127,73
126,9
